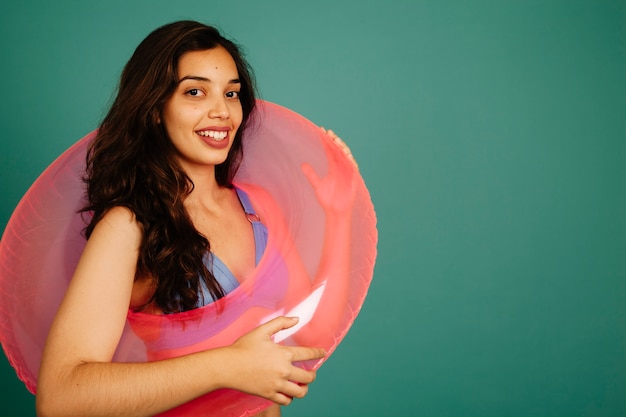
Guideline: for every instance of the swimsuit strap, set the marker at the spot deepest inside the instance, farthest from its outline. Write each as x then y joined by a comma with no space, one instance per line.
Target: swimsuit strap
247,206
259,229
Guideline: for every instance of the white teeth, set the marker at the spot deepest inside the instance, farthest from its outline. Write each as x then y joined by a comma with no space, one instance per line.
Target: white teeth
214,134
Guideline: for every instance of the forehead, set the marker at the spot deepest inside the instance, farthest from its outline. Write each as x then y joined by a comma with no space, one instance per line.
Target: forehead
206,62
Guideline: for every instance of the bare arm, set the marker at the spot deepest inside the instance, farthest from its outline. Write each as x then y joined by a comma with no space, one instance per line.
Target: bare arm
77,377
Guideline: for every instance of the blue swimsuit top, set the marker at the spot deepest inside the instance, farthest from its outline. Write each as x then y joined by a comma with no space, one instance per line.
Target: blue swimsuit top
221,272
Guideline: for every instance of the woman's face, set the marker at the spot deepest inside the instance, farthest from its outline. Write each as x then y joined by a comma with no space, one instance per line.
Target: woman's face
204,113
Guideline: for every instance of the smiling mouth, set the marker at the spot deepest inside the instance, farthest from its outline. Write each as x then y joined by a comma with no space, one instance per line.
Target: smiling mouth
213,134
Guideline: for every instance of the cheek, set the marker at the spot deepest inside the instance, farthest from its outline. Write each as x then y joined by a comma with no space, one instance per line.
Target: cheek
177,123
237,116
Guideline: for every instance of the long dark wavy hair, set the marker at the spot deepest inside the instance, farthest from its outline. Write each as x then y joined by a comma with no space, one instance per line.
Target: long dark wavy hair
132,163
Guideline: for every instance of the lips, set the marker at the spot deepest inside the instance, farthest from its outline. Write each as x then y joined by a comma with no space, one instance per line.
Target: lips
215,137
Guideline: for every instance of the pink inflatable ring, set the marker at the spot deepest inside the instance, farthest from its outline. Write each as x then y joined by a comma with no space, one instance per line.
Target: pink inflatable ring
318,263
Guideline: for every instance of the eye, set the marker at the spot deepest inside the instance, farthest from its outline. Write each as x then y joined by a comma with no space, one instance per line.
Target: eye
194,92
233,94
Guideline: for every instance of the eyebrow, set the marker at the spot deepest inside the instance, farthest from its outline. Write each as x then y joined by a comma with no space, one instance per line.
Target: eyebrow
204,79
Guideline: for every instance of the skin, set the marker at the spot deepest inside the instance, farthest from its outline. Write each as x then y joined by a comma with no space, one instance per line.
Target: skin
342,145
77,377
207,99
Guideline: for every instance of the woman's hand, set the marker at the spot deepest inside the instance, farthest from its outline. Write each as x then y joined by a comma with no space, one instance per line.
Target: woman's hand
266,369
342,145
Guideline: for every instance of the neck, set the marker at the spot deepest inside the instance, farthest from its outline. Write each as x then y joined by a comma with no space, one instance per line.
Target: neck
206,191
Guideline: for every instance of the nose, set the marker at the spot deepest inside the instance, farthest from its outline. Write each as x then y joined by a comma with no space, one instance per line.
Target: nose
219,109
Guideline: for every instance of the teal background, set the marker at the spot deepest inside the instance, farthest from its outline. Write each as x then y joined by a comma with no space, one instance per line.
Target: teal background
492,137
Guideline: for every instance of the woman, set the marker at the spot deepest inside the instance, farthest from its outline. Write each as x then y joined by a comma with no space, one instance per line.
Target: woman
158,184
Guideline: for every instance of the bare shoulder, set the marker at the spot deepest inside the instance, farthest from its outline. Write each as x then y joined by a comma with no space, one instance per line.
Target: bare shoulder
111,253
120,217
112,250
119,223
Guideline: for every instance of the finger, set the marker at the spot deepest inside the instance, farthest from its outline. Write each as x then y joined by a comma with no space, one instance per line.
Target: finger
277,324
302,353
339,142
281,399
294,390
333,135
345,149
310,174
302,376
